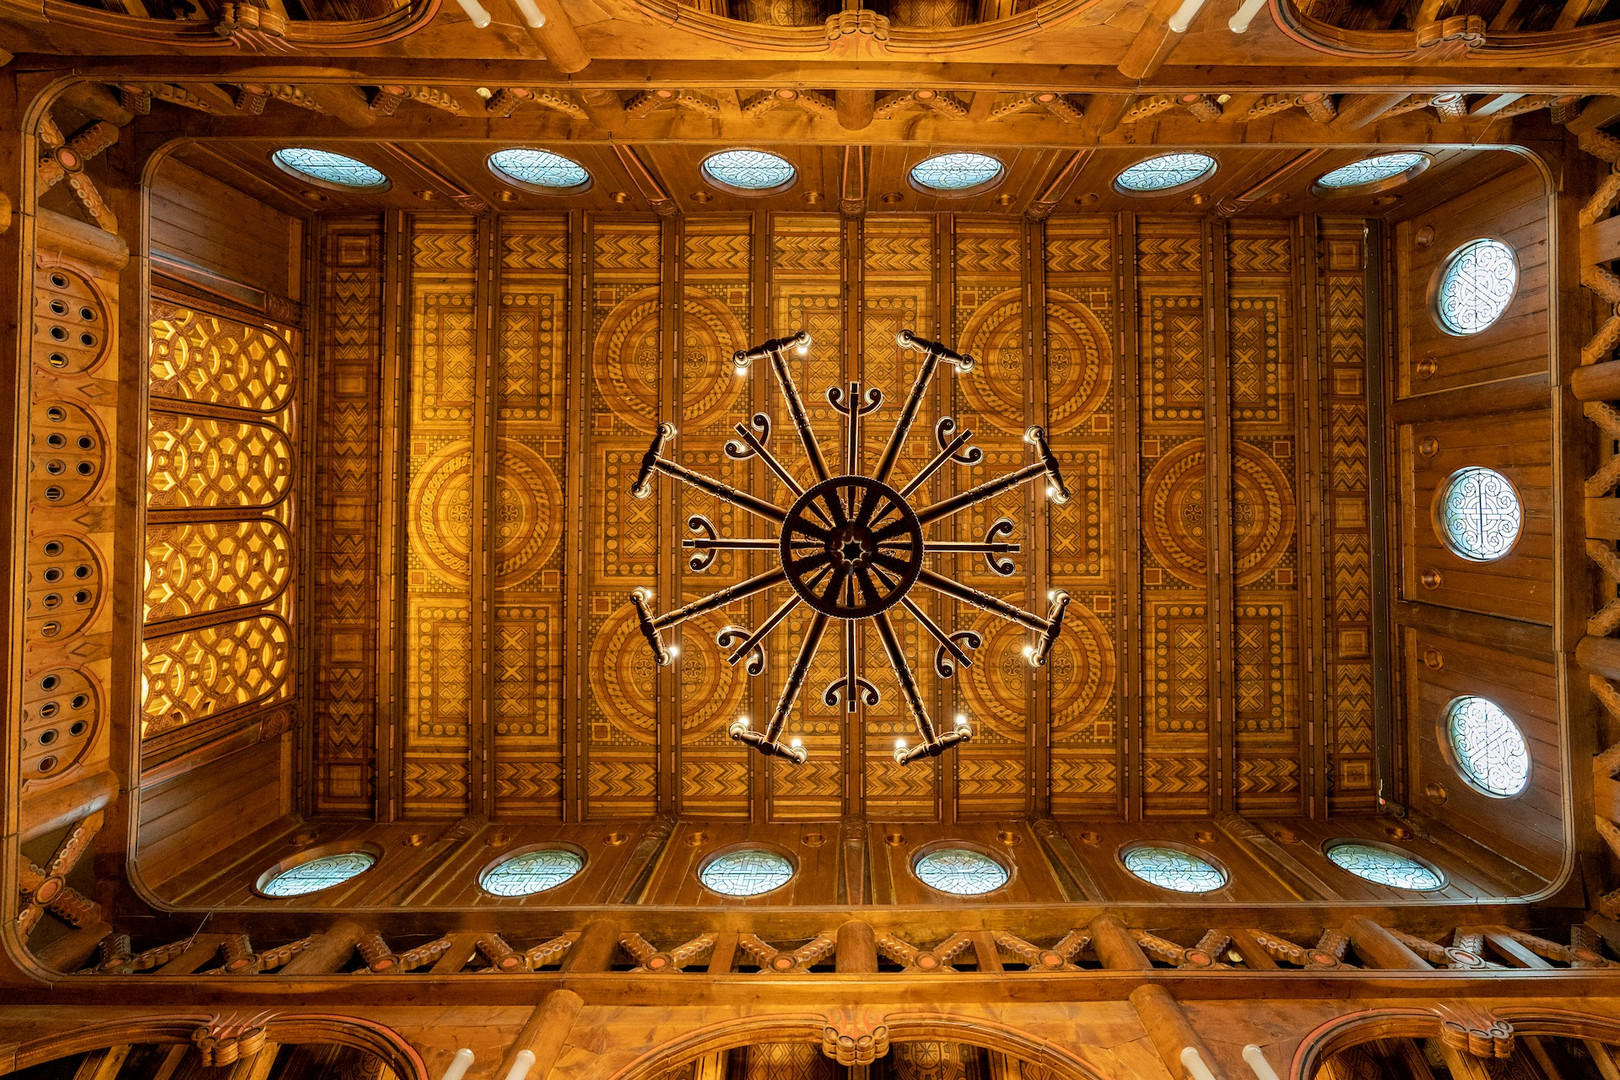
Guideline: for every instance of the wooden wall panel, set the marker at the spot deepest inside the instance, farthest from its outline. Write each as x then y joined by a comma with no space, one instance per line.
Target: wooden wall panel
346,515
1266,471
441,504
205,223
1343,306
624,353
1081,360
1511,208
530,374
185,822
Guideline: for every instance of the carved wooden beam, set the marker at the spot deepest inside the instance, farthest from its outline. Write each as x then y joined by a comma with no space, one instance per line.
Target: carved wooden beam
559,40
855,108
97,102
1105,111
347,103
1152,44
1357,111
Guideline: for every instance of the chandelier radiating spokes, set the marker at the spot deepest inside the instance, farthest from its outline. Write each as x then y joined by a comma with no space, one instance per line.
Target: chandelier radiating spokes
850,548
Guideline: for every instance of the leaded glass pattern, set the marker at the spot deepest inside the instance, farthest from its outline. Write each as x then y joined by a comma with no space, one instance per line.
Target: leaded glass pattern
1476,286
1480,514
1165,172
961,871
748,872
319,873
1489,747
748,170
329,167
1372,170
1172,868
1383,866
956,172
531,872
539,168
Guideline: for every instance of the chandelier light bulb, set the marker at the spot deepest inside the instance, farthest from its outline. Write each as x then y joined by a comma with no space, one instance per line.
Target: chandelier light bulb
1029,651
743,721
1240,20
476,12
674,650
803,347
796,742
1184,15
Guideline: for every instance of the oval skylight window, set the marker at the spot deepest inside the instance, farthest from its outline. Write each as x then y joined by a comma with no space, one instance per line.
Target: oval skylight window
752,172
1172,868
329,168
1165,174
1383,866
961,871
1374,170
1476,286
748,872
322,872
1479,514
956,174
1489,747
539,169
531,872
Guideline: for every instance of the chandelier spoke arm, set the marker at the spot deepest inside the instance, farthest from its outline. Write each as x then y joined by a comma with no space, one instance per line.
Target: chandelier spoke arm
955,504
933,352
729,595
933,744
754,444
769,742
981,600
945,640
754,640
723,491
948,452
989,547
776,351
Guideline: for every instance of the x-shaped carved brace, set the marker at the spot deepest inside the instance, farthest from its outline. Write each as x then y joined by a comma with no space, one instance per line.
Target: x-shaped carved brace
816,104
1059,957
1058,105
924,960
774,961
65,902
64,160
1205,954
1328,953
48,889
1466,953
651,960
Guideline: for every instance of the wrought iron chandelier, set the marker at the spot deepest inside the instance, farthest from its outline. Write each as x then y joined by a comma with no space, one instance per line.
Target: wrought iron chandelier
851,547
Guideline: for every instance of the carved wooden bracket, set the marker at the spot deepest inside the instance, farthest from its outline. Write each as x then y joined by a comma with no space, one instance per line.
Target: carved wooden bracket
654,961
774,961
1453,37
861,21
1470,1029
228,1038
925,961
855,1036
253,28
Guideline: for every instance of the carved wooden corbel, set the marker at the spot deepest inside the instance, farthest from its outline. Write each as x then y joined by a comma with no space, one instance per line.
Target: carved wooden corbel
253,28
228,1038
1450,38
860,21
1472,1029
855,1036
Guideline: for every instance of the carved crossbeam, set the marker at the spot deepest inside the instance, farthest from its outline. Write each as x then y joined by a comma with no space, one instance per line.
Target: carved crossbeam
774,961
1060,957
926,961
945,104
812,102
654,961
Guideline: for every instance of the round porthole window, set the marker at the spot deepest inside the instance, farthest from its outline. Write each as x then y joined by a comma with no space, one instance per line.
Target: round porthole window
957,174
1373,173
960,871
541,170
1384,866
322,871
530,872
336,170
746,872
749,172
1165,174
1487,746
1174,869
1476,286
1478,514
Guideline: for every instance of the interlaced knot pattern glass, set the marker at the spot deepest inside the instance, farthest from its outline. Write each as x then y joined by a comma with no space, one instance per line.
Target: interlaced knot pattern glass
961,871
319,873
1489,746
1168,171
1371,170
1480,513
330,167
540,168
1384,867
1170,868
1477,286
748,170
956,172
752,872
532,872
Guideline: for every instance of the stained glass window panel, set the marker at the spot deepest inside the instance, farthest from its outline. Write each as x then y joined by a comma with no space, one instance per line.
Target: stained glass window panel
329,167
1489,746
748,170
539,168
961,871
956,172
1384,867
1172,868
1165,172
531,872
1476,286
1372,170
319,873
1480,514
750,872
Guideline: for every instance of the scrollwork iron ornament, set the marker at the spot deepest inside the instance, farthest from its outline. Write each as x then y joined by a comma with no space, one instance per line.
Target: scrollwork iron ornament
851,548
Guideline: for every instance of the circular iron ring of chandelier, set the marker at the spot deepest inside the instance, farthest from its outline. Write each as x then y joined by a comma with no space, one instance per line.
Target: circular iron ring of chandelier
852,547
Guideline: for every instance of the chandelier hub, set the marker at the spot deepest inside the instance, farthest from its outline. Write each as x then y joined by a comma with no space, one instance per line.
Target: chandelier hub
852,547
